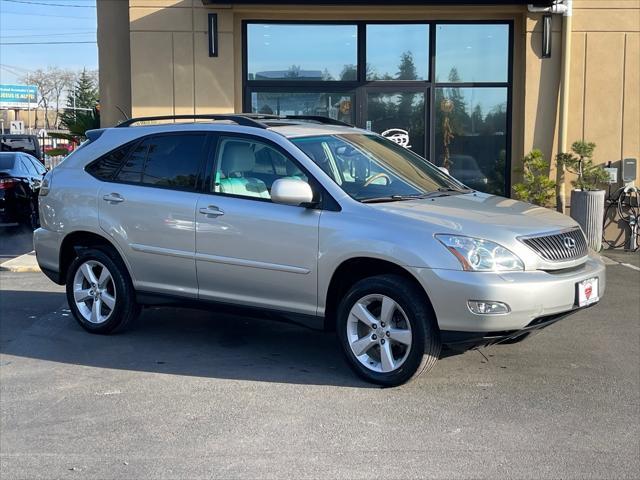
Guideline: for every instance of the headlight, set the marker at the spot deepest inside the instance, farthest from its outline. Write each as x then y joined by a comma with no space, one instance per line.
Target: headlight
477,255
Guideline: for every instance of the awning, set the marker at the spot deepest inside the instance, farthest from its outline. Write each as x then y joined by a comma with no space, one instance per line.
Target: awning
379,2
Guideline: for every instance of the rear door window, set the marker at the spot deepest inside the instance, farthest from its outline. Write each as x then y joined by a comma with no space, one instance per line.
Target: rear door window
174,160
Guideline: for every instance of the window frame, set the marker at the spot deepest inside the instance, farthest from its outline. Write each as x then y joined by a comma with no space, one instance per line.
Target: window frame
361,86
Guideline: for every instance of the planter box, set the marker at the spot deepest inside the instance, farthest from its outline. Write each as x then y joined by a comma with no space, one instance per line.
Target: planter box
587,208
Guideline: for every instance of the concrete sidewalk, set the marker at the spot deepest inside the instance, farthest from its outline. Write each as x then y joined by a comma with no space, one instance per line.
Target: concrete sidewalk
23,263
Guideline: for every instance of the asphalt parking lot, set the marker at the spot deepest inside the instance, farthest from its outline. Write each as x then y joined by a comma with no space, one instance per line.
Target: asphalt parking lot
194,394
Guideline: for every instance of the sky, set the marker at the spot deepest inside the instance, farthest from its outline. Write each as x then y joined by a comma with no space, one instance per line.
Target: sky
30,28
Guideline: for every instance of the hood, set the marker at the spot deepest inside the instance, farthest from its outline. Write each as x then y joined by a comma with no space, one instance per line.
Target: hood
479,214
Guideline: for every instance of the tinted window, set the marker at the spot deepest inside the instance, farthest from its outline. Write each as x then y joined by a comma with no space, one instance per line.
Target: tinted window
38,166
6,161
302,52
173,160
108,165
397,52
132,169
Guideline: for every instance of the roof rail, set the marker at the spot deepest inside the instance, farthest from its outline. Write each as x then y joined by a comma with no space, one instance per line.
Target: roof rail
311,118
319,119
243,120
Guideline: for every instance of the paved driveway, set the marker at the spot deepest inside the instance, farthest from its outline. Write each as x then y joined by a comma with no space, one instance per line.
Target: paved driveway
192,394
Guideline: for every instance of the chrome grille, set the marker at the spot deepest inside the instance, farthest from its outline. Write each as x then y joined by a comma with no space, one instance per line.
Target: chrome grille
556,247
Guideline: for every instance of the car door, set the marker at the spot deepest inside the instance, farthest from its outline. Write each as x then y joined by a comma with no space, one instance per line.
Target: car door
249,250
149,210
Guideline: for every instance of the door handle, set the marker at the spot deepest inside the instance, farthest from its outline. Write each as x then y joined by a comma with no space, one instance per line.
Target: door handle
113,198
211,211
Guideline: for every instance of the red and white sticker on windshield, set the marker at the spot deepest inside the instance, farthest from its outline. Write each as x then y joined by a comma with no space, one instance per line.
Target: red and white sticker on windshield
588,292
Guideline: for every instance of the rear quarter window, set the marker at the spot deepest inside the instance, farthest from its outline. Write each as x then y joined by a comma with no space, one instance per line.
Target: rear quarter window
106,166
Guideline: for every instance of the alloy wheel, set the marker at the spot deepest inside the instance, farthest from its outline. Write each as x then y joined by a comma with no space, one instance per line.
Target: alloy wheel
379,333
94,292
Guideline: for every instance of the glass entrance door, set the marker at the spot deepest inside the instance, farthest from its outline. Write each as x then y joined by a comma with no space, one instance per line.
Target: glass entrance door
400,114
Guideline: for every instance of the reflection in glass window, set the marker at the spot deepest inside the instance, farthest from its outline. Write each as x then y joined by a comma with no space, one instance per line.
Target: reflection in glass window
338,106
397,52
173,160
398,117
472,53
470,135
302,52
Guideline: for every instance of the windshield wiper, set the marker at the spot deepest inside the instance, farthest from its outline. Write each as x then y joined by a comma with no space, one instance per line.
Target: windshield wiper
390,198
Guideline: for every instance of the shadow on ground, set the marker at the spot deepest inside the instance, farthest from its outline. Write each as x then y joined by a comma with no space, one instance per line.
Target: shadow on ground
181,341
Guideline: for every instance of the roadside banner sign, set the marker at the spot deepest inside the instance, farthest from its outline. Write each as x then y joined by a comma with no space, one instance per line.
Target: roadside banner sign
18,96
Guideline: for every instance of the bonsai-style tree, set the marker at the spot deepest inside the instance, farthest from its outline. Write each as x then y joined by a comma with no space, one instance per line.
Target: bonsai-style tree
580,162
536,186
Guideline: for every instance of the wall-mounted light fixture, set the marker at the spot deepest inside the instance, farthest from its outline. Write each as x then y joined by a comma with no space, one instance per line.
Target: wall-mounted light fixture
547,33
213,34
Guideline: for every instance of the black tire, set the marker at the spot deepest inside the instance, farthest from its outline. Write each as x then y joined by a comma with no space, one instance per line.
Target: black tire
425,344
32,220
126,309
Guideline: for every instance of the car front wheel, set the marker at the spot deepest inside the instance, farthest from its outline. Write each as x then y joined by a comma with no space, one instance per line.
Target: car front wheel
387,330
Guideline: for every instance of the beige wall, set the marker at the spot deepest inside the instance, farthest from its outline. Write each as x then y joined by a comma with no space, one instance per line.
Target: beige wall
604,81
171,72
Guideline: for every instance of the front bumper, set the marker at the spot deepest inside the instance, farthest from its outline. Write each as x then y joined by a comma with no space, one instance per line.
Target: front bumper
531,295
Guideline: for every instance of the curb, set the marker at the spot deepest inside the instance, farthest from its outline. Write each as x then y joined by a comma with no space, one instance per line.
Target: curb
26,263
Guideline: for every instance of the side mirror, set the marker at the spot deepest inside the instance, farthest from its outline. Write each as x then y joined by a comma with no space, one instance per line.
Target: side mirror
445,170
289,191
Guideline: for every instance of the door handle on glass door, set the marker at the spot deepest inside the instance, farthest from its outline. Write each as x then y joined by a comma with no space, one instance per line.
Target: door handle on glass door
113,198
211,211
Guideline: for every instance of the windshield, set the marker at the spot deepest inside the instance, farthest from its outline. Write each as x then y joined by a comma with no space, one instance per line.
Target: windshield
372,168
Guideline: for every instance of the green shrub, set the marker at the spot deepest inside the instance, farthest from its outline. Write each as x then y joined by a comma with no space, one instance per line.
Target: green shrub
536,186
580,162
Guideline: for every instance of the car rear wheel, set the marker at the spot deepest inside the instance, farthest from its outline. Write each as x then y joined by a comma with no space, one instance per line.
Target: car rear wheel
387,330
100,293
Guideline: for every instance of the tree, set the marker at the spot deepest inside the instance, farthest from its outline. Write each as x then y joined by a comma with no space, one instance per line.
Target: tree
52,84
580,162
536,187
84,95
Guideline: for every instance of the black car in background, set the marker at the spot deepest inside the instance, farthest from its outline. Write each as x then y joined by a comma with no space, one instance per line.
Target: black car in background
20,178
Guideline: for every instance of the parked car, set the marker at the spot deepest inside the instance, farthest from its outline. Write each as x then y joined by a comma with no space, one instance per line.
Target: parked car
257,212
20,179
21,143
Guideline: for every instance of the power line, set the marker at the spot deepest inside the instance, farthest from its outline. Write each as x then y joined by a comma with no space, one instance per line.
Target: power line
29,2
44,43
88,32
31,14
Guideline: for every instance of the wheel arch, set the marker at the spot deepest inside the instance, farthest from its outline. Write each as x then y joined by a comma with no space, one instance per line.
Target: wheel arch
75,241
355,269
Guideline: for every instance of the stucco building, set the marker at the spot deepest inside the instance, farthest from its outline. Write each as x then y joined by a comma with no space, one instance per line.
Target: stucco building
471,85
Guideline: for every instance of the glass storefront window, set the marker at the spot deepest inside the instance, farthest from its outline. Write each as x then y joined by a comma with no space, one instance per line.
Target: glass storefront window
471,136
339,106
472,53
399,117
397,52
302,52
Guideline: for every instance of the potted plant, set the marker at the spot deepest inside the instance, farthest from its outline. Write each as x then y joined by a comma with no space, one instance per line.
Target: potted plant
587,196
536,186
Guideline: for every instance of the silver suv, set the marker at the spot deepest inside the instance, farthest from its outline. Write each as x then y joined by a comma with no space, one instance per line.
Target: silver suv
312,220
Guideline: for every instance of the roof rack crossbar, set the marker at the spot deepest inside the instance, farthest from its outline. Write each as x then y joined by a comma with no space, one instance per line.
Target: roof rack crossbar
319,119
243,120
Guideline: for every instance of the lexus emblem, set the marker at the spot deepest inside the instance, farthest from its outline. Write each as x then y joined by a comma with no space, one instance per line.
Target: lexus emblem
569,243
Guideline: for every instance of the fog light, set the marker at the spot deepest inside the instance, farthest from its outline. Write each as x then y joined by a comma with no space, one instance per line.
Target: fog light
484,307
